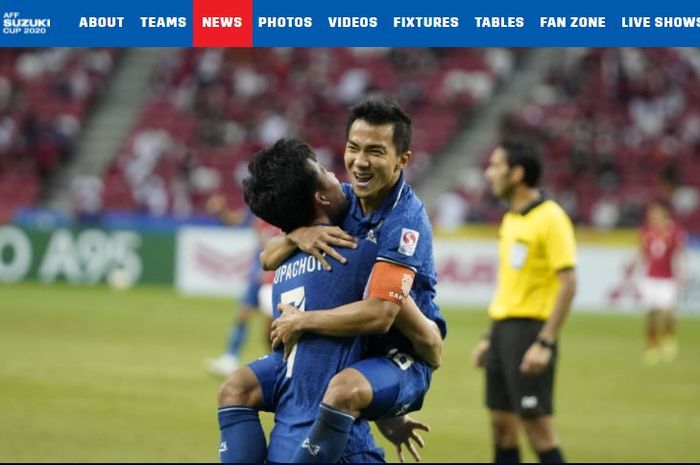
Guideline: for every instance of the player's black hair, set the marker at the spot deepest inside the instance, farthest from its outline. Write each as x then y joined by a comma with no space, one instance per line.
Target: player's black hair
281,184
522,151
378,111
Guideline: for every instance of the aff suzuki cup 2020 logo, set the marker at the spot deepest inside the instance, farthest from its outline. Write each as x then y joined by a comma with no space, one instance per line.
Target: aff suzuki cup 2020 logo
14,23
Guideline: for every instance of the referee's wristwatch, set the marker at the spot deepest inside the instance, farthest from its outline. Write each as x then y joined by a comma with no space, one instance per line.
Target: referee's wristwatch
545,343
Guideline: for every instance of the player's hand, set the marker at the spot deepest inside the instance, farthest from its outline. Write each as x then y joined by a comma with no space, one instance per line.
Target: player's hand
536,359
479,353
320,240
400,431
285,329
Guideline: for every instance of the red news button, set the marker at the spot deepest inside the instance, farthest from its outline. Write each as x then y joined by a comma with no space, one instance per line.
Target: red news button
223,24
222,21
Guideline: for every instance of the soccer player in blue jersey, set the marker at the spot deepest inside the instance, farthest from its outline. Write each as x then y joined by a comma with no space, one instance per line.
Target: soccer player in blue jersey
289,189
392,380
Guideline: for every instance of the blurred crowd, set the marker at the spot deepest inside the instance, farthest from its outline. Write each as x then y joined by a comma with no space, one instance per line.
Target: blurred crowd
45,97
619,128
211,109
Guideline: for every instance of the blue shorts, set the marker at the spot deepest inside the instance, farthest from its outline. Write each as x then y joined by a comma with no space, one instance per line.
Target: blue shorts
250,298
267,369
399,384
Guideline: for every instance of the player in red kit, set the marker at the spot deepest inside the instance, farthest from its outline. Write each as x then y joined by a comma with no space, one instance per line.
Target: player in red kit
661,252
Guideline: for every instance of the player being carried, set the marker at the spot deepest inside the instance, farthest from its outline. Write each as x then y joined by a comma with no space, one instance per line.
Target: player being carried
304,193
383,210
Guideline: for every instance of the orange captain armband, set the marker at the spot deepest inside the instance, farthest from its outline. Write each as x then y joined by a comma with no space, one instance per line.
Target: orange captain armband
391,282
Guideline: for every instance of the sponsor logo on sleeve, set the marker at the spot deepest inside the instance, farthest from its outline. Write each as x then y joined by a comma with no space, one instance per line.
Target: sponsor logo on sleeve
409,241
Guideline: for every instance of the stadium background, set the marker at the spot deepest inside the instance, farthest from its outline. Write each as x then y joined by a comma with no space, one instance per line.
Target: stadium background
107,158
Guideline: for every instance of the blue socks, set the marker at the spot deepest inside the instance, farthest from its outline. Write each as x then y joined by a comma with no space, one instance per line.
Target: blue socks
237,338
242,436
327,438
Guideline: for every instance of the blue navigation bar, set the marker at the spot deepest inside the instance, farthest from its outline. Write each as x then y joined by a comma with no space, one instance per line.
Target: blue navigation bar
360,23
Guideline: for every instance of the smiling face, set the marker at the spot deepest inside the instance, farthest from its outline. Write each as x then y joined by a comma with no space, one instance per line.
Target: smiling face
372,162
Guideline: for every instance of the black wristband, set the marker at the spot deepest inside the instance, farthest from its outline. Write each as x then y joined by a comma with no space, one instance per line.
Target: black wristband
545,343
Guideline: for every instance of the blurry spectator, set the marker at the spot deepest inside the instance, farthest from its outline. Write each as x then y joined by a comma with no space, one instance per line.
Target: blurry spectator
247,83
605,214
272,128
5,93
87,198
204,180
452,211
352,85
7,134
151,196
476,84
685,200
500,61
209,65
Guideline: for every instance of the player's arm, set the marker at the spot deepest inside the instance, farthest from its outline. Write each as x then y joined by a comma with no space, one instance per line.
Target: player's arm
314,240
388,287
560,247
423,333
478,355
387,297
680,264
539,354
567,290
369,316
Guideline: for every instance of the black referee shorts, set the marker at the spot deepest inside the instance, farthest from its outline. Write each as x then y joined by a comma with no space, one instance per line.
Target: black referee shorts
506,387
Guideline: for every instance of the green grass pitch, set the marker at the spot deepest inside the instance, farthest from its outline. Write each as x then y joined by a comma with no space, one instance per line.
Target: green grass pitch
103,375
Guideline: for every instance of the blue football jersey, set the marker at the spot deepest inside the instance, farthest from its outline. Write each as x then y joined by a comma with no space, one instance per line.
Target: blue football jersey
302,381
401,229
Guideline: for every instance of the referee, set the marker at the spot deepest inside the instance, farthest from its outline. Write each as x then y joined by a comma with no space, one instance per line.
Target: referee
536,284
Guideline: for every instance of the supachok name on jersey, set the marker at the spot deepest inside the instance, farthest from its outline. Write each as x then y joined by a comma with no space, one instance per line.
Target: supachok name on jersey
305,264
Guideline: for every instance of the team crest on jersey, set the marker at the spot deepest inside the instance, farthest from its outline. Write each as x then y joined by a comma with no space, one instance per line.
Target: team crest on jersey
409,241
372,236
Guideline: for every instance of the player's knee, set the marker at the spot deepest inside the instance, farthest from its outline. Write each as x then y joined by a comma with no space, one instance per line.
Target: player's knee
505,430
348,391
539,432
244,314
240,389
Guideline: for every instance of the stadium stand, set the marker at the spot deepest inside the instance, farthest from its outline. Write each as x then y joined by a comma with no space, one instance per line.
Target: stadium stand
211,109
45,98
619,127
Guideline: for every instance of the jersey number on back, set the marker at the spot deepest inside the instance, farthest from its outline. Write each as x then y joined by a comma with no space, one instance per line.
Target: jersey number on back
297,298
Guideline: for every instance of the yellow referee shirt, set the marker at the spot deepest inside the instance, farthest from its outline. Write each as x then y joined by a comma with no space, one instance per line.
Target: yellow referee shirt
533,245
